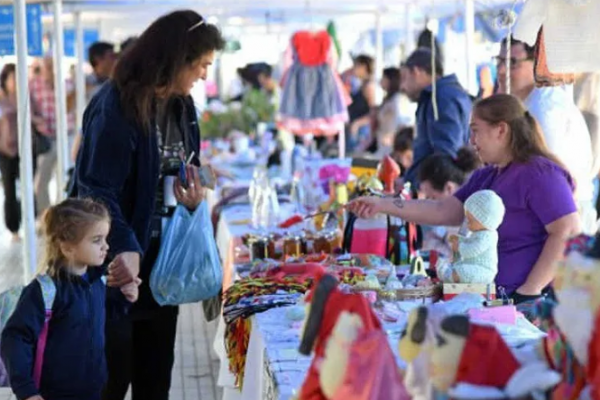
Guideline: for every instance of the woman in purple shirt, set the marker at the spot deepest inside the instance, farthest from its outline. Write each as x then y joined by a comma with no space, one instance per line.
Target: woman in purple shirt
536,190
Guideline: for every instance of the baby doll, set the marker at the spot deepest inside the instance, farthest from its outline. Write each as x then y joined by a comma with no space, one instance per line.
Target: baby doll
476,256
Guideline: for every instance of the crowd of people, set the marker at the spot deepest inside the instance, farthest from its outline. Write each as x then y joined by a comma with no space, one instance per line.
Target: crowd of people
102,57
532,148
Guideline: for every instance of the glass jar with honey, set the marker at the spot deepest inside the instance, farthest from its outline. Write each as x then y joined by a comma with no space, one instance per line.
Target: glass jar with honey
294,245
261,247
325,242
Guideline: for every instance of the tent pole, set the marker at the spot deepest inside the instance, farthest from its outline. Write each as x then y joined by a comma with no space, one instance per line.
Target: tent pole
470,46
378,55
80,88
29,248
409,41
60,103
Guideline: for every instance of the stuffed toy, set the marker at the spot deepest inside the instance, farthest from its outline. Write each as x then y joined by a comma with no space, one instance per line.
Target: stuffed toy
472,361
417,339
477,254
350,351
572,346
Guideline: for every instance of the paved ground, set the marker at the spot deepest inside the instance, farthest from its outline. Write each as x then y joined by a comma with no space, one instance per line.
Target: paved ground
196,364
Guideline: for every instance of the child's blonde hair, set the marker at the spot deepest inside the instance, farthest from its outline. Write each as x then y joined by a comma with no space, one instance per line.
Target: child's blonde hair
68,222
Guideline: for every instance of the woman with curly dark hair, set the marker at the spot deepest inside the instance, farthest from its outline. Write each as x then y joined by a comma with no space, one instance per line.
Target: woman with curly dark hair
136,132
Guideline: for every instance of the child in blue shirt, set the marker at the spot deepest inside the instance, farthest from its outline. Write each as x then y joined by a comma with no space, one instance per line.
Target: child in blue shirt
74,365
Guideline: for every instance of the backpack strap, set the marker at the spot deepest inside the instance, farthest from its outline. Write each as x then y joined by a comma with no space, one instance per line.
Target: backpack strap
48,294
48,291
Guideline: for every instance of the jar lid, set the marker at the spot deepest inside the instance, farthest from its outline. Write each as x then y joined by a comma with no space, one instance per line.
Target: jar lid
293,236
258,238
326,235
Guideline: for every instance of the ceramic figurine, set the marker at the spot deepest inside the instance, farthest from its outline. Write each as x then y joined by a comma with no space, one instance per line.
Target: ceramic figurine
477,254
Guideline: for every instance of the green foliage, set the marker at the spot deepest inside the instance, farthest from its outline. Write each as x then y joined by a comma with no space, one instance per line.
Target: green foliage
255,107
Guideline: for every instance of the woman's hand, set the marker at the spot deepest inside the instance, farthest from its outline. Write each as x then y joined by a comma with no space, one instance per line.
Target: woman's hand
366,207
194,194
124,269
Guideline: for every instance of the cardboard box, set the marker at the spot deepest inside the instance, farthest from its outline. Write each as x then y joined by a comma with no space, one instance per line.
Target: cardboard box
452,290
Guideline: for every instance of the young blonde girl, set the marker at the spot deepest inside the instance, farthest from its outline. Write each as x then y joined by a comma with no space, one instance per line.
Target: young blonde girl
74,365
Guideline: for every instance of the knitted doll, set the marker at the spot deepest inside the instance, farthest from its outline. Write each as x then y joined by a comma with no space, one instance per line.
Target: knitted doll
476,259
472,361
347,340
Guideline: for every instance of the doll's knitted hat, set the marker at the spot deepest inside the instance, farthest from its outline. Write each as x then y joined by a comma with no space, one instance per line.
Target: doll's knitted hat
487,208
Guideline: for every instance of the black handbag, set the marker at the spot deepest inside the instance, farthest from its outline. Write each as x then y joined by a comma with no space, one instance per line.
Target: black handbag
41,144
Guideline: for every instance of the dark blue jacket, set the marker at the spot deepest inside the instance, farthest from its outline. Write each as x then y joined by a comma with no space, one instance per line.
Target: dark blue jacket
118,165
450,132
74,365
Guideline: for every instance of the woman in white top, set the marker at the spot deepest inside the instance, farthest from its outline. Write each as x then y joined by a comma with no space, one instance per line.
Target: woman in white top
389,114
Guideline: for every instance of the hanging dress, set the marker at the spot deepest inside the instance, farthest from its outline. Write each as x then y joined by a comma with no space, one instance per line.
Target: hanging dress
313,99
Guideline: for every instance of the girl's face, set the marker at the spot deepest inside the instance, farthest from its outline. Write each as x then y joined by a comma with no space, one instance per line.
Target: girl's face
490,141
92,249
193,73
11,84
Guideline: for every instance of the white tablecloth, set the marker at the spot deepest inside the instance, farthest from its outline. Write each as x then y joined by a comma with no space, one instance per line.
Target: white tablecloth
227,231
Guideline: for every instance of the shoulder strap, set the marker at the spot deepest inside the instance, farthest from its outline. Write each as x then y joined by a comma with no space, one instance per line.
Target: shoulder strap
48,290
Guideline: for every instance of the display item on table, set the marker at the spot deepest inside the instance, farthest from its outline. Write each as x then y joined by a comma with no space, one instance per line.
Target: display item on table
476,259
570,30
572,346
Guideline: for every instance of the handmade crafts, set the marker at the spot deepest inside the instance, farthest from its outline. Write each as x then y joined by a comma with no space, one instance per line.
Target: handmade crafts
570,30
572,346
472,361
245,298
346,337
476,259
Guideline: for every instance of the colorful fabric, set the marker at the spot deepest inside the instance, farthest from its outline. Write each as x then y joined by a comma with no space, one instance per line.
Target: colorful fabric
529,208
251,305
249,292
593,367
580,244
560,356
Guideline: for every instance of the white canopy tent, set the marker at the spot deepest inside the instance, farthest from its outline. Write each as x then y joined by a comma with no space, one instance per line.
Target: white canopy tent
134,15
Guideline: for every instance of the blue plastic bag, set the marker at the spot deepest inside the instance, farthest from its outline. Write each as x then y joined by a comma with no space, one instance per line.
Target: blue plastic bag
188,268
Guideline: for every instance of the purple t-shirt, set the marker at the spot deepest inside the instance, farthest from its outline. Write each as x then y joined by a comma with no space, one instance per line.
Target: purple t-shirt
535,194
